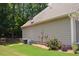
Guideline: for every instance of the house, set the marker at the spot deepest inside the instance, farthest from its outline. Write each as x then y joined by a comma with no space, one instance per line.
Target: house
58,20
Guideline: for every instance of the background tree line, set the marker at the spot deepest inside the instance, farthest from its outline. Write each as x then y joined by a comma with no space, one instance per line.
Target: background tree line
14,15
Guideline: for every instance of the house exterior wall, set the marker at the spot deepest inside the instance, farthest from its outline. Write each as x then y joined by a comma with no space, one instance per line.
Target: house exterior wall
77,31
60,29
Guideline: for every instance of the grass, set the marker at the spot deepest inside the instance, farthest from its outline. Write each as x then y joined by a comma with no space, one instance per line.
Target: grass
29,50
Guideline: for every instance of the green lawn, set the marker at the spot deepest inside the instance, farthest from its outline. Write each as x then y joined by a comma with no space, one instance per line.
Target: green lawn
29,50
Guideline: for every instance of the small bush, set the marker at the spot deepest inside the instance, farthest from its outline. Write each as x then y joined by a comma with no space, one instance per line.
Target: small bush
64,48
75,48
54,44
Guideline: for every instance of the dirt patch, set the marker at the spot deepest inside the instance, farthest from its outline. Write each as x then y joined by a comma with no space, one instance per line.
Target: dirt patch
41,46
16,44
69,51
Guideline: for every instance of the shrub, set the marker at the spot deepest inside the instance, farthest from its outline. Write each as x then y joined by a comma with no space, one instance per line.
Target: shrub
64,48
54,44
75,48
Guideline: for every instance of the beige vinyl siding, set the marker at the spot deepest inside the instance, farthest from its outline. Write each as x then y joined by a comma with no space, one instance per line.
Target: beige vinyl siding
77,31
60,29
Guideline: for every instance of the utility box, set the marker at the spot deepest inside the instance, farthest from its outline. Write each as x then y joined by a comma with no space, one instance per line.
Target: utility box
29,42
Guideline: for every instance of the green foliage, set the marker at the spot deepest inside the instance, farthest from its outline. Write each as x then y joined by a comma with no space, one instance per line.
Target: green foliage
54,44
75,48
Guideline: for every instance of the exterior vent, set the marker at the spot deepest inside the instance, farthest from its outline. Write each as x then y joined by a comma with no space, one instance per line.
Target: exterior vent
32,22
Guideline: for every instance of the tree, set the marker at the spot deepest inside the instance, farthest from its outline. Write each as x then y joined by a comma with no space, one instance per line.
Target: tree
14,15
3,19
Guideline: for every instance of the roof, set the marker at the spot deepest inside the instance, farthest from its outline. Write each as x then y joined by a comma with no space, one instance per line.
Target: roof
52,11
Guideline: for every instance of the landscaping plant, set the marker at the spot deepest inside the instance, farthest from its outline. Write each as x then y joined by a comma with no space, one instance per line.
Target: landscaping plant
54,44
76,48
